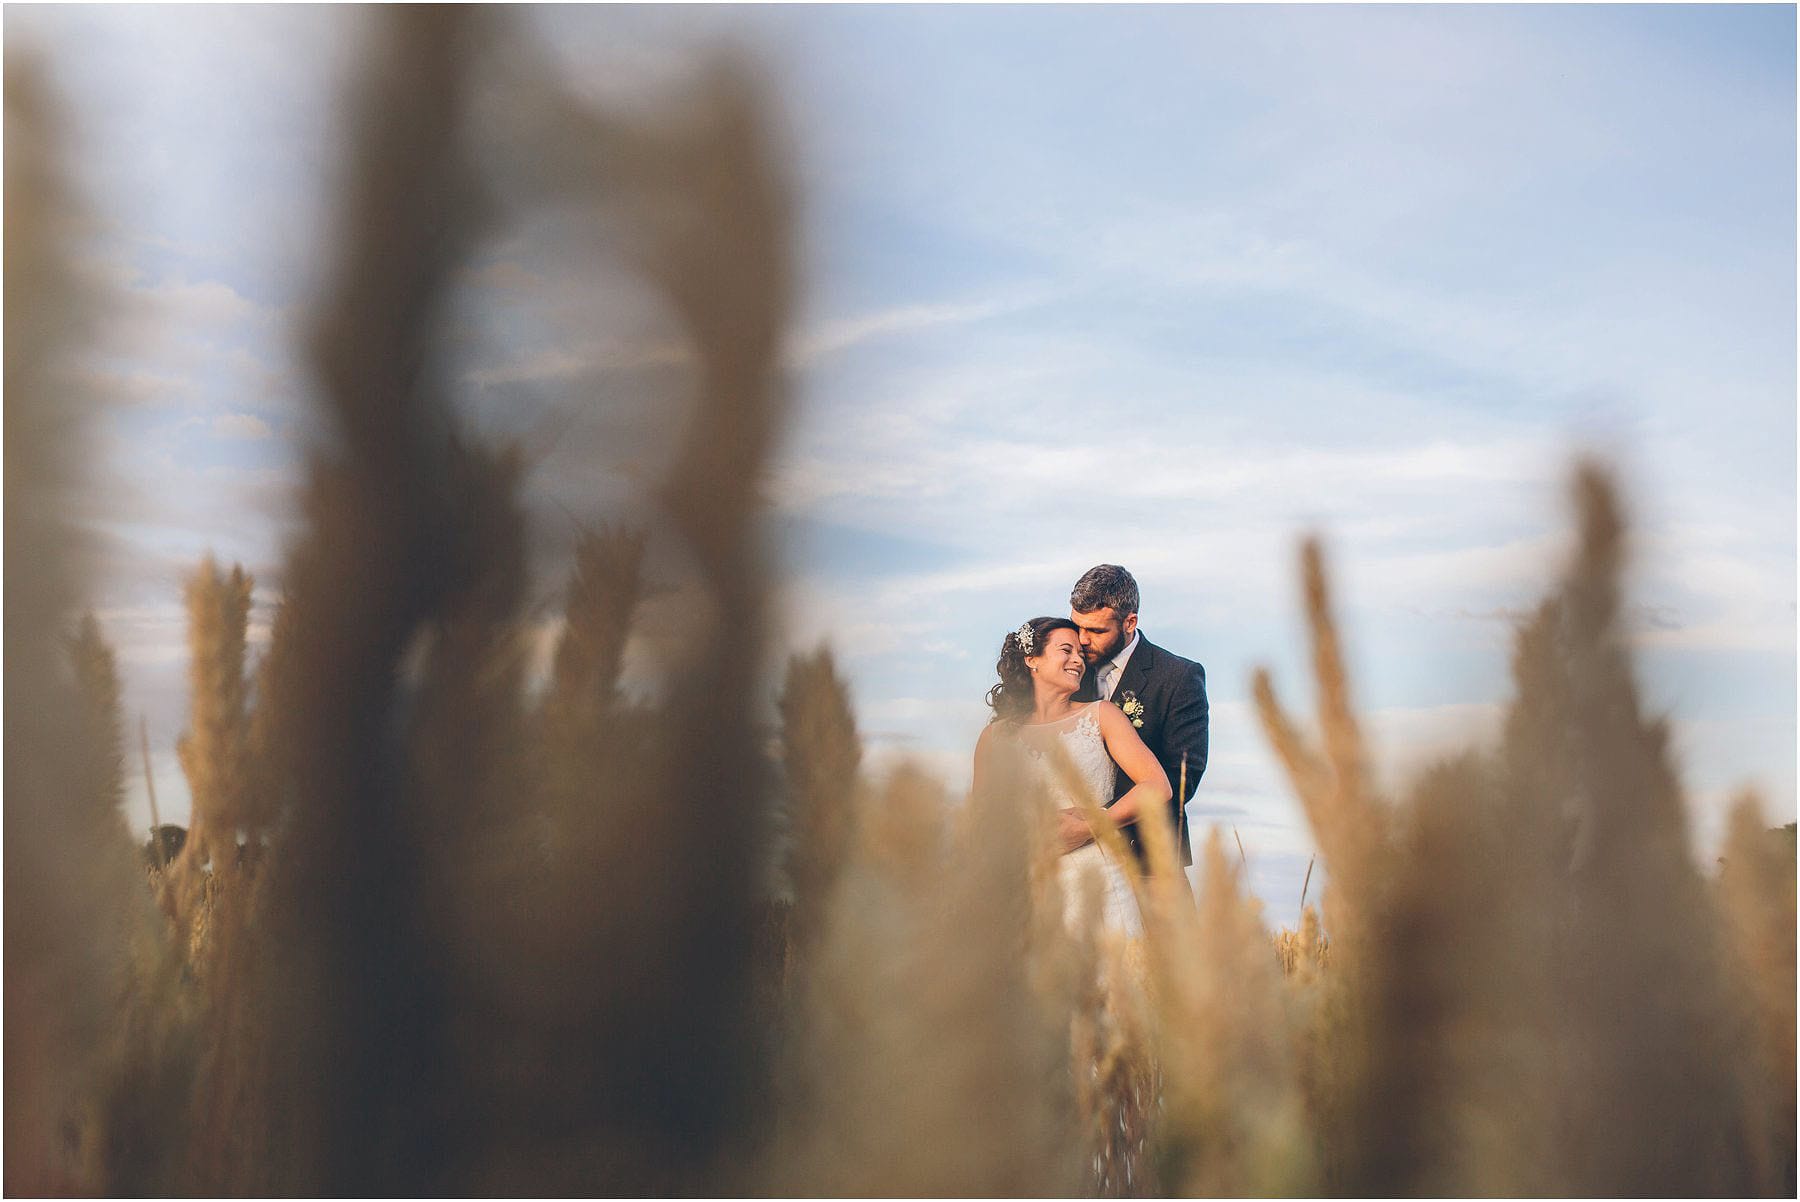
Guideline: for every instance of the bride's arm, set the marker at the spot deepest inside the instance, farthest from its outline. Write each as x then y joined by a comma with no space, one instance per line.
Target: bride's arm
983,750
1150,791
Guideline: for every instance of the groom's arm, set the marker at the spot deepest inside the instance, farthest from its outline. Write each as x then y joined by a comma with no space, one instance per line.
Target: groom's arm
1185,730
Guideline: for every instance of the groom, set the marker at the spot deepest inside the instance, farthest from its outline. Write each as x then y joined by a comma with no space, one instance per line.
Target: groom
1163,694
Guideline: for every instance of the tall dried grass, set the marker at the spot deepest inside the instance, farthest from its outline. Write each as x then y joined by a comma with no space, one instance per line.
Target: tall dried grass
934,1046
441,930
1527,990
73,906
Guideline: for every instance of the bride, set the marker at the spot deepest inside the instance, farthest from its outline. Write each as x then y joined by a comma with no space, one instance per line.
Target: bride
1040,671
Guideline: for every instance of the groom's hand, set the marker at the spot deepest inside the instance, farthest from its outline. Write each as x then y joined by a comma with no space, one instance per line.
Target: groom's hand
1072,829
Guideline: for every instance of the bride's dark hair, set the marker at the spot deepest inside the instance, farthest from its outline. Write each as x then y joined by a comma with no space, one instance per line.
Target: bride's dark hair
1013,697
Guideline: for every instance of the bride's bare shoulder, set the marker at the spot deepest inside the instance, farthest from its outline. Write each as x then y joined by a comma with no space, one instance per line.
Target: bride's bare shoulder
1108,716
985,749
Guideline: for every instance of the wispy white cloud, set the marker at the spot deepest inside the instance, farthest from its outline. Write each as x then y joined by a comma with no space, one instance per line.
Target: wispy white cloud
564,363
135,386
1763,631
241,426
830,337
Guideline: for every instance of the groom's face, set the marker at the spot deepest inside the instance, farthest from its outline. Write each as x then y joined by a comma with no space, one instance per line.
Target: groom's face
1103,632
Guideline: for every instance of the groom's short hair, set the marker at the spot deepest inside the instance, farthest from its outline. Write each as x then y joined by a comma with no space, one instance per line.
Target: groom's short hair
1105,586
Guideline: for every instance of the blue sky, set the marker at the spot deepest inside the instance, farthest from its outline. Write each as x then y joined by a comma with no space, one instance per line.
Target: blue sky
1162,286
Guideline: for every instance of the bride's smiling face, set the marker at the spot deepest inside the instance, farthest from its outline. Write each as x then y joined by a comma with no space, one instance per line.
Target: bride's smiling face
1060,665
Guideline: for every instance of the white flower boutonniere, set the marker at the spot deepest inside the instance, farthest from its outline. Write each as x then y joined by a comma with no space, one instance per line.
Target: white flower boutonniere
1134,709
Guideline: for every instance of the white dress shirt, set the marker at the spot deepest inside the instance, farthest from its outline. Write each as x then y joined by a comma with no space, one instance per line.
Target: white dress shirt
1107,674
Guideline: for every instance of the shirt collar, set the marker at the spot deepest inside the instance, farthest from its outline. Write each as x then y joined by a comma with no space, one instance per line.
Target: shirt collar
1118,661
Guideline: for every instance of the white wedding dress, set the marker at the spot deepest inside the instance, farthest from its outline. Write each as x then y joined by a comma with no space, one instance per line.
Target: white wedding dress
1080,738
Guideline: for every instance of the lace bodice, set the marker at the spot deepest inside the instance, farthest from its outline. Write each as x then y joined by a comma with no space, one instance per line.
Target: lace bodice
1080,738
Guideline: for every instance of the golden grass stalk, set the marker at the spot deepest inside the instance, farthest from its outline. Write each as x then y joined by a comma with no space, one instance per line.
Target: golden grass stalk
469,766
821,757
1304,952
1511,942
937,1037
603,591
357,1029
1353,1101
1236,1119
1334,788
1636,956
73,888
1756,895
214,751
683,1053
101,727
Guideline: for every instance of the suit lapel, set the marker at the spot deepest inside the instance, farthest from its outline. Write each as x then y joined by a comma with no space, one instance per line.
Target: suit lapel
1137,670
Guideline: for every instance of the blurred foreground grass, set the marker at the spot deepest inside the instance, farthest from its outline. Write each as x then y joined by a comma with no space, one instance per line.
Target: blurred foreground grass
436,929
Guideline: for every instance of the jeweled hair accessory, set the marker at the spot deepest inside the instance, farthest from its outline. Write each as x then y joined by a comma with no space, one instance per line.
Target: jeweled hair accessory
1026,638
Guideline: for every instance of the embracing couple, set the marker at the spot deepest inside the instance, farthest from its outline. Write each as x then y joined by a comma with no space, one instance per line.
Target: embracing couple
1129,715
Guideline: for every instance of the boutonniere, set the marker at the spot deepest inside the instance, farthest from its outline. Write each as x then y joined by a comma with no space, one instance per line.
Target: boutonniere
1134,709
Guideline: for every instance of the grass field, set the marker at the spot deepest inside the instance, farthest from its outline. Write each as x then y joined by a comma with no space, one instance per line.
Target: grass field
439,927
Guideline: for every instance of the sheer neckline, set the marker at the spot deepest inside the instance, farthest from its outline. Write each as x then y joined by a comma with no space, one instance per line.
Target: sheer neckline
1059,721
